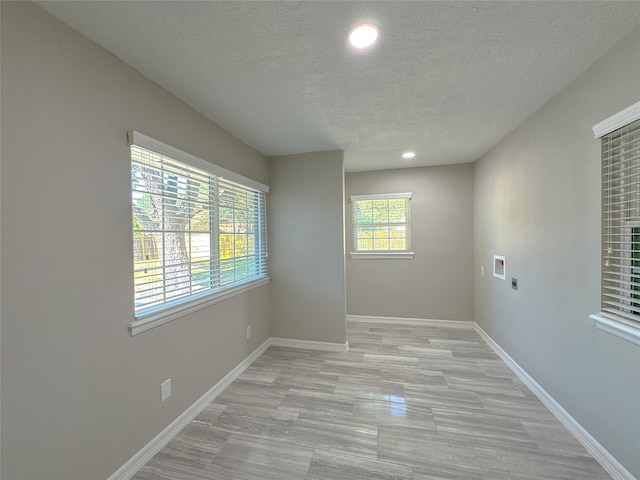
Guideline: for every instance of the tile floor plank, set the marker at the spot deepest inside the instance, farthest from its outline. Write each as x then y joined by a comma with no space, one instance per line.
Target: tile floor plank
407,402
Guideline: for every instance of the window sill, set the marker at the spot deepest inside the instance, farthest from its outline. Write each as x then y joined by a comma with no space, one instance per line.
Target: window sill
382,255
153,320
618,328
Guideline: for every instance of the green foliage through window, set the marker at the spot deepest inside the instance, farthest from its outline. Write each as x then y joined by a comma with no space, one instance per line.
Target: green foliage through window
381,224
194,232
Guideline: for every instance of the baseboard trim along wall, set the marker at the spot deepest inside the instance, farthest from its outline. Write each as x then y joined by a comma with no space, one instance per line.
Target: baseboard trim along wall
608,461
412,321
603,457
309,345
146,453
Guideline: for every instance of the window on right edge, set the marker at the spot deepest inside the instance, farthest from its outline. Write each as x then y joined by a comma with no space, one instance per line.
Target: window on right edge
381,226
620,303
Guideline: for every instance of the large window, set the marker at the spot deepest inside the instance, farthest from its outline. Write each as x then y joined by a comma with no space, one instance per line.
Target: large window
620,310
198,235
381,226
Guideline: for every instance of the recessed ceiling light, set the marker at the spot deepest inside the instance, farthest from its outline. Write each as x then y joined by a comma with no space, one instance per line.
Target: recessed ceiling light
408,155
364,35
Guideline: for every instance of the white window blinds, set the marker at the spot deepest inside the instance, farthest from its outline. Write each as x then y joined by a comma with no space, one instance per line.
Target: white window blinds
196,232
621,223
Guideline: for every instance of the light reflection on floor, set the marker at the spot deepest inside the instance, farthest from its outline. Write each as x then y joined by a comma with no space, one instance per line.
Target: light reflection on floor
397,405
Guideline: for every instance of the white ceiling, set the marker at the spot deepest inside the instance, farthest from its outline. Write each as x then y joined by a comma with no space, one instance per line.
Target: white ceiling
448,79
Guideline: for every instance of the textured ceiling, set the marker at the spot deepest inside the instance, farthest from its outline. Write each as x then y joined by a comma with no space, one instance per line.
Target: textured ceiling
447,79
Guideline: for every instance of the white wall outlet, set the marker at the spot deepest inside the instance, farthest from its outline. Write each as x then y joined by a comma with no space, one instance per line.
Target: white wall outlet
165,389
482,270
249,332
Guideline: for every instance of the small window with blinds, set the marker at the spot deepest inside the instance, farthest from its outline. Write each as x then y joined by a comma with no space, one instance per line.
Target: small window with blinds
381,225
620,310
199,231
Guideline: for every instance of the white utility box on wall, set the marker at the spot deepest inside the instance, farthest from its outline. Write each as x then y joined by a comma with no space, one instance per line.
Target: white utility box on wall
499,267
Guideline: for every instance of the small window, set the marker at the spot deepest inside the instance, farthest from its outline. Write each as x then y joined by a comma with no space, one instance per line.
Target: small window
381,226
620,307
198,235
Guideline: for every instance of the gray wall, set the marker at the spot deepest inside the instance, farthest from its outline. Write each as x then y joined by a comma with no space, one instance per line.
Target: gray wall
438,282
306,247
537,201
80,396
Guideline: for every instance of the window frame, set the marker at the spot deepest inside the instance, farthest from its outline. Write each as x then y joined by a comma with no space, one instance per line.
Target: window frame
173,309
623,327
406,254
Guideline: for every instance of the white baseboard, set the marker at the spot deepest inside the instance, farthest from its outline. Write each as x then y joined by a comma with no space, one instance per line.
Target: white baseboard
309,345
412,321
604,458
608,462
135,463
146,453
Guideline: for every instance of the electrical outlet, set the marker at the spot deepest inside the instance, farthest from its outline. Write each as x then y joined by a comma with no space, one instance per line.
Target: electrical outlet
482,270
249,332
514,283
165,390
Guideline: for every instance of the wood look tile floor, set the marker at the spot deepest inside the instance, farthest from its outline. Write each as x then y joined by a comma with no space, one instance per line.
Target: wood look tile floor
407,402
